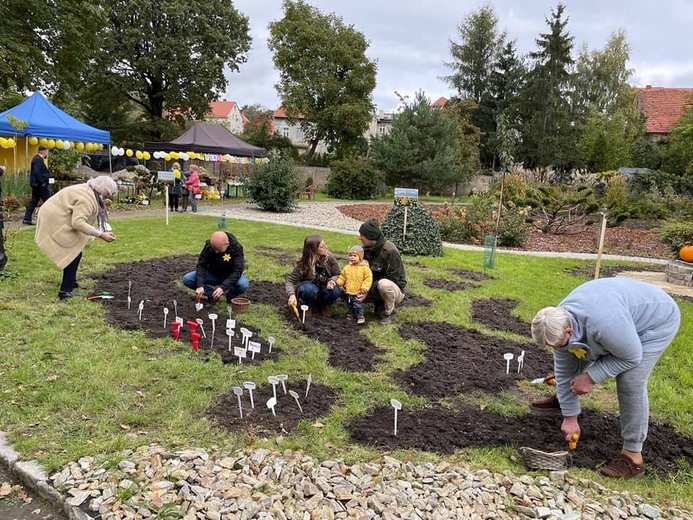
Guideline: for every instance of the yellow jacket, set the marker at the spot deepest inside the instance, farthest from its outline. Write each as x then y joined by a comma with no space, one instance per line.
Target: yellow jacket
356,278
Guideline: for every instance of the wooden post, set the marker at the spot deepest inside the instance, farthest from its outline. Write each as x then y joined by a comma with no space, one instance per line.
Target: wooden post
166,200
404,230
602,232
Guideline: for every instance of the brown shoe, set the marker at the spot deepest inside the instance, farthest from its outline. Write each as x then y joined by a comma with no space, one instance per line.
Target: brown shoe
360,320
623,467
547,405
325,310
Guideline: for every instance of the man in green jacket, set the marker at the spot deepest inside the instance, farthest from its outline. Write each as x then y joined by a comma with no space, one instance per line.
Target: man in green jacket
389,278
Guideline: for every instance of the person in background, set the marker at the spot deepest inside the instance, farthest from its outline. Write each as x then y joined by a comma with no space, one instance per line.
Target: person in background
66,223
313,281
184,194
612,327
39,179
192,184
389,277
219,269
356,278
174,189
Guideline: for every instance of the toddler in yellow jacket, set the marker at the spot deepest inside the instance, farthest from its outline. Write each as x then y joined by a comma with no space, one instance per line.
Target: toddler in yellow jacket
356,279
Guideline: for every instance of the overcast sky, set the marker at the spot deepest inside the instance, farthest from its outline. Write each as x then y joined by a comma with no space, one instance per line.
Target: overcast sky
410,40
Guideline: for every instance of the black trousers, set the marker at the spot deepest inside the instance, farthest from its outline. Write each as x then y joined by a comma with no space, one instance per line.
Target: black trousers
37,193
70,275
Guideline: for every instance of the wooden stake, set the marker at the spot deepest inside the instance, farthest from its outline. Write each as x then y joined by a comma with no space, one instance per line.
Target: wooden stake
602,232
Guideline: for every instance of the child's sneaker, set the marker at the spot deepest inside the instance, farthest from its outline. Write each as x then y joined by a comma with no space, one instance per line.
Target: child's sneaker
349,317
360,320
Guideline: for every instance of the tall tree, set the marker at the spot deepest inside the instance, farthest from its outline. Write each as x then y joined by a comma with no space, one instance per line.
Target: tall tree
473,57
169,58
473,60
507,81
547,133
47,45
259,130
422,149
326,80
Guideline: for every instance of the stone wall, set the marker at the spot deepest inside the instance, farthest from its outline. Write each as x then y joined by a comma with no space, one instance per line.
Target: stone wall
318,174
679,272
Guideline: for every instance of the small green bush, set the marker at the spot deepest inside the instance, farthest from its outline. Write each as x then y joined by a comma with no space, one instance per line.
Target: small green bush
273,185
677,235
354,179
513,228
422,238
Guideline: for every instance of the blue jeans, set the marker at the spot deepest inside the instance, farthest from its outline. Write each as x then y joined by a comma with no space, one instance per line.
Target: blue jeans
354,307
309,294
212,281
193,202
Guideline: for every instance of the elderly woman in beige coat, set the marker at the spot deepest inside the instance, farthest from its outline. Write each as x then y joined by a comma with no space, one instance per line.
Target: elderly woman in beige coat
66,222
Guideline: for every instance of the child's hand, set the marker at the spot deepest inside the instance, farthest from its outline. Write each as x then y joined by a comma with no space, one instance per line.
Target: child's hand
330,285
360,296
292,300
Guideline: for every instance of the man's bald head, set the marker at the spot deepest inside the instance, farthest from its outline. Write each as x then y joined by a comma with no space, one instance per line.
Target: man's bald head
219,241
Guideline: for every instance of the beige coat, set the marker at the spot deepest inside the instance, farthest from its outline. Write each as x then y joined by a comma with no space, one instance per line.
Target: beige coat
64,223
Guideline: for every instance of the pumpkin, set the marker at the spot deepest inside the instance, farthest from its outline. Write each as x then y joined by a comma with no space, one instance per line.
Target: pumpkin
686,253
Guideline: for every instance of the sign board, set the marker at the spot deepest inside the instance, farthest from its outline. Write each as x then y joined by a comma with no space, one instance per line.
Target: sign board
410,193
165,175
125,183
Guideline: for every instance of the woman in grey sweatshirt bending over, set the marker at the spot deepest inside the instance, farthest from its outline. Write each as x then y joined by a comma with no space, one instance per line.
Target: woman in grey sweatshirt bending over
614,327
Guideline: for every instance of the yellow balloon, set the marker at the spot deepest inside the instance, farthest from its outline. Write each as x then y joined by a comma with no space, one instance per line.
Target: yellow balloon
80,146
59,144
51,143
33,141
98,146
139,155
147,156
175,155
43,141
128,152
167,157
72,144
3,142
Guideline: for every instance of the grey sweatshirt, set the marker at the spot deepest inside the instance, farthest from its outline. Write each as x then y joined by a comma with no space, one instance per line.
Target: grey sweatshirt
615,320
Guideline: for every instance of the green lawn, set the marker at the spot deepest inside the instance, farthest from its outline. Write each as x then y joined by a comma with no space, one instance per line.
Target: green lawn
70,385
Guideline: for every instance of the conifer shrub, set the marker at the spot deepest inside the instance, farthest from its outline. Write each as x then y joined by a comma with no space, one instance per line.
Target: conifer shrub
422,237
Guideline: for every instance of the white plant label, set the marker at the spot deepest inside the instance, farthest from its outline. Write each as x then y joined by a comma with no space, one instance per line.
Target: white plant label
250,386
246,335
304,308
254,346
230,324
129,289
271,403
238,392
175,308
240,353
397,406
508,357
310,380
520,361
200,322
140,308
282,378
228,309
295,396
274,382
270,341
213,319
165,315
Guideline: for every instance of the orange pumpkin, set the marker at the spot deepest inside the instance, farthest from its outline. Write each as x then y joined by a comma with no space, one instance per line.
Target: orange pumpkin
686,253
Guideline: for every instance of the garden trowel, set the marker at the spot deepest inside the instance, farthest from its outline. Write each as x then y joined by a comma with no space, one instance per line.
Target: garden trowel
198,303
295,308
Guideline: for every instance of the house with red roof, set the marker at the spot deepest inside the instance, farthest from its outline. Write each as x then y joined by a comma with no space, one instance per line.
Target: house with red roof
228,114
294,132
663,107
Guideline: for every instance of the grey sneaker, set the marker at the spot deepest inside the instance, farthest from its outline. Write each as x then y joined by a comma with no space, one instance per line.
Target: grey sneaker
388,318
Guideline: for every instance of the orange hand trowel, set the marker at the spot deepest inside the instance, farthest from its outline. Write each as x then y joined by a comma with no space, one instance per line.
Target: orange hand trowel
295,308
572,443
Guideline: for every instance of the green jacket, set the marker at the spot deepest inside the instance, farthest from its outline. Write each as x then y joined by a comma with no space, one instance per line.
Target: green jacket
385,262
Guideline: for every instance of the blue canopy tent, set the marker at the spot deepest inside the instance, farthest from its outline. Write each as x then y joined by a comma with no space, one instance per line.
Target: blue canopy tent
44,119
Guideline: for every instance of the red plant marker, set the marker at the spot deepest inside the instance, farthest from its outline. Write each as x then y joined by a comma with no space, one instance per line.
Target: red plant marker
195,341
176,329
193,325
